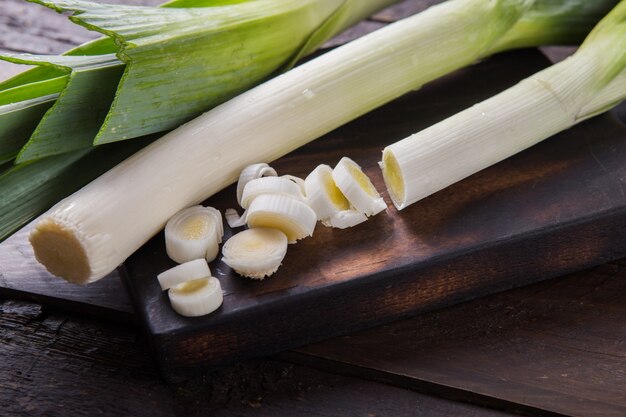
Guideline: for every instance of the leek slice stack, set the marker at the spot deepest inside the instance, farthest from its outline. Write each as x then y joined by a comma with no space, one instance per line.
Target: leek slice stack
207,154
587,83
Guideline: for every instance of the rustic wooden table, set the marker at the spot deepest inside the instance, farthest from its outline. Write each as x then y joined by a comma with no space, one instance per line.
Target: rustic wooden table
554,348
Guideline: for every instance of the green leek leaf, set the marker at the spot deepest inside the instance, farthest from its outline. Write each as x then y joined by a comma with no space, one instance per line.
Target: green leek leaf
17,122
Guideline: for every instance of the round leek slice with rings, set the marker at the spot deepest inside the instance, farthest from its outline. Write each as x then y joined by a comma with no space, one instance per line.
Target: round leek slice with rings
357,187
198,268
255,253
194,233
252,172
322,193
298,181
196,297
270,185
289,215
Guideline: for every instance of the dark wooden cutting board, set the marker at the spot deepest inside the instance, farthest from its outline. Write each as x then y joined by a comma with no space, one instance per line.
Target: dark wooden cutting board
558,207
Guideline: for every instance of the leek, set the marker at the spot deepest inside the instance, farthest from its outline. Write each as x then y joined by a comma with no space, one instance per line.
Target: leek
589,82
88,234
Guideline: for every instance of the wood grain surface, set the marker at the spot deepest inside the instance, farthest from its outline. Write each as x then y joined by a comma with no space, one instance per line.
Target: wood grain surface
557,346
57,365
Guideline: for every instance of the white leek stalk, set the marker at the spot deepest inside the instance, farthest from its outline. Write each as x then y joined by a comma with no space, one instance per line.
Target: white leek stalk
589,82
87,235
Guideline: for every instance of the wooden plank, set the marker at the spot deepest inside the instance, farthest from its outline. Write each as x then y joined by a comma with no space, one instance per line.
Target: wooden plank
558,346
53,365
551,210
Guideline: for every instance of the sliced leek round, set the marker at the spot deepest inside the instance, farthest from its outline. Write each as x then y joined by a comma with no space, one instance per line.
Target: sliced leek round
255,253
344,219
196,297
357,187
188,271
194,233
270,185
252,172
291,216
323,195
298,181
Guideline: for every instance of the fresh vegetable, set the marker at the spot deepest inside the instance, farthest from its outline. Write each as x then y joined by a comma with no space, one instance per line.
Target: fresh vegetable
205,155
197,297
193,233
357,187
328,202
587,83
26,188
188,271
255,253
291,216
252,172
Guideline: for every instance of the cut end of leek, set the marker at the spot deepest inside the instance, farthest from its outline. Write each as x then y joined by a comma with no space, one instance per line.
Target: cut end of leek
194,233
196,297
52,242
392,174
357,187
255,253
